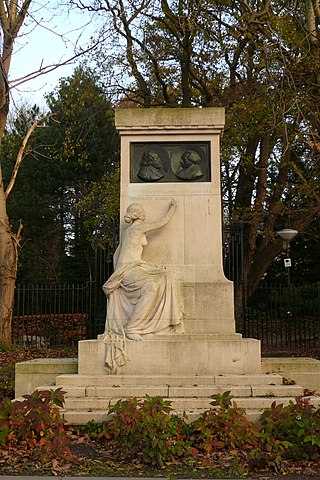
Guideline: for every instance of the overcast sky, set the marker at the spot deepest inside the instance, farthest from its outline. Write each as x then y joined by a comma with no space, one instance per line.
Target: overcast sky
44,45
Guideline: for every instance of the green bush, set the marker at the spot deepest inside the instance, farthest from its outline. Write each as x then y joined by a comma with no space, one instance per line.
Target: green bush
298,424
35,425
224,427
146,429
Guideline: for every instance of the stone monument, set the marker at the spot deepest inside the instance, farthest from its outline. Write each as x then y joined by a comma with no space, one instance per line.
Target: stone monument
170,158
169,261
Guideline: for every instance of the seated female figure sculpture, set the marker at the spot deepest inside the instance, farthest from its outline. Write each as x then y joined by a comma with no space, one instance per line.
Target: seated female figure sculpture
142,298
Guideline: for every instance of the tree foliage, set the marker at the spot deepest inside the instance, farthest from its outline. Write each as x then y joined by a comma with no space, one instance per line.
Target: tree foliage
13,16
260,59
31,200
65,163
86,145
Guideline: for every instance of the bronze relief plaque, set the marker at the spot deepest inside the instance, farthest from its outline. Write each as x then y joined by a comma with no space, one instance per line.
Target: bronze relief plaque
165,162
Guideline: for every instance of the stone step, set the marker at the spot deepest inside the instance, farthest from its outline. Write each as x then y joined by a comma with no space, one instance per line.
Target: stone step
88,397
180,404
191,416
254,407
77,417
304,371
185,392
166,391
288,364
172,380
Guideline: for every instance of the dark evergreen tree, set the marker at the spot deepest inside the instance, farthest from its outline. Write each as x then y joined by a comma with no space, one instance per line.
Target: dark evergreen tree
65,162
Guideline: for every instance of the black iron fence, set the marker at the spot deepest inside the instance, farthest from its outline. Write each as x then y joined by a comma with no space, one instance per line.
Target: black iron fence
284,318
233,252
63,314
51,314
48,315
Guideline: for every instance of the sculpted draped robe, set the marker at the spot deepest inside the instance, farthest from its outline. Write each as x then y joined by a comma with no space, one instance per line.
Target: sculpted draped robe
142,299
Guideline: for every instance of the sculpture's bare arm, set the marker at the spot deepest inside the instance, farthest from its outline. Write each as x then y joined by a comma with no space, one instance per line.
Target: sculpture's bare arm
148,226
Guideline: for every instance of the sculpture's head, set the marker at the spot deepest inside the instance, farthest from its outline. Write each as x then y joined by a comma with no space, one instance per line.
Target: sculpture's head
151,158
134,212
189,157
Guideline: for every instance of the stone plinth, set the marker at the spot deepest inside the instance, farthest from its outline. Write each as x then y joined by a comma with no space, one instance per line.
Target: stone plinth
191,244
177,355
304,371
41,371
88,397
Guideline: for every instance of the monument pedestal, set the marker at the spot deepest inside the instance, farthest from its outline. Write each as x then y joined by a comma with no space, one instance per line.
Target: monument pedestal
208,307
176,355
209,357
189,246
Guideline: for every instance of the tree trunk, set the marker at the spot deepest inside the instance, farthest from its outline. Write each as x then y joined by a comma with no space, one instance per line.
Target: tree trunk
8,251
8,273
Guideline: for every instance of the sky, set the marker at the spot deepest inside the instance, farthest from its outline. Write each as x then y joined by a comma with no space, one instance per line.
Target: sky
49,40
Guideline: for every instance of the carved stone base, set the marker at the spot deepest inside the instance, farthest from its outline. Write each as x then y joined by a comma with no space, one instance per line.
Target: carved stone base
208,307
176,355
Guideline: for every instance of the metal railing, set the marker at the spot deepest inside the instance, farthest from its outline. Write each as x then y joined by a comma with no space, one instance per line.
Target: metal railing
51,314
283,318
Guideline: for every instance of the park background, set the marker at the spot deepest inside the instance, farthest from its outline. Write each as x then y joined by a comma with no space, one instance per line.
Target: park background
258,60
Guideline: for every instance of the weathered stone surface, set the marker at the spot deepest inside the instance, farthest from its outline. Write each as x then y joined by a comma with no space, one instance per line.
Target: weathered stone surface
190,393
191,244
304,371
177,355
41,371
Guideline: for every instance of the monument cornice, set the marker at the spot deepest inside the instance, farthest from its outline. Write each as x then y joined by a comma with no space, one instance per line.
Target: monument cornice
176,119
171,130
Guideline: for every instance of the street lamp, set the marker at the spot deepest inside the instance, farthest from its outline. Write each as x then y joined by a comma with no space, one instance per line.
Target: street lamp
287,234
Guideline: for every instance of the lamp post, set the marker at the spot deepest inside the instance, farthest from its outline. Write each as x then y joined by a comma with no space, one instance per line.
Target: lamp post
287,234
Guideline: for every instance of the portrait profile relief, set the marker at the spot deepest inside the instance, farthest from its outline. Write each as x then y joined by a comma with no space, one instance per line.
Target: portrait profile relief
151,167
189,166
170,162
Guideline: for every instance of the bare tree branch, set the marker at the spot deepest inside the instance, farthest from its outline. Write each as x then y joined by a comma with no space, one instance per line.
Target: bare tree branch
50,68
21,152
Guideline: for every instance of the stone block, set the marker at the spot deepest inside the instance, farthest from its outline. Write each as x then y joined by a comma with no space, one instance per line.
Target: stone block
74,417
127,391
308,380
88,404
304,371
188,404
207,391
164,118
75,391
277,391
287,364
177,355
255,379
209,308
41,371
261,402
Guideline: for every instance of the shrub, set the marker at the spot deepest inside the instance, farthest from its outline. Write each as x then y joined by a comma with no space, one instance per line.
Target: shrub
35,424
298,424
146,429
224,428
